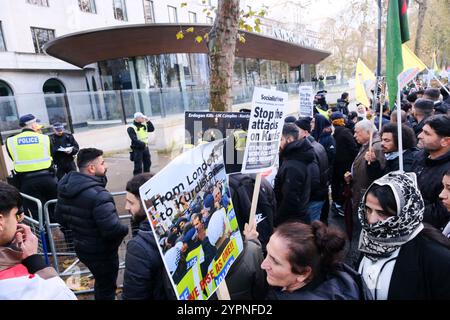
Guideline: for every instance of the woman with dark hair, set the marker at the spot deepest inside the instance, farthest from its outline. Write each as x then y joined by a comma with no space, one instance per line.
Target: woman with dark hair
304,262
445,198
403,259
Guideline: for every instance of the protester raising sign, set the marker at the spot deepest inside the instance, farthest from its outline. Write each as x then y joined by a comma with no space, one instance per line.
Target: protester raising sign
306,101
264,130
193,219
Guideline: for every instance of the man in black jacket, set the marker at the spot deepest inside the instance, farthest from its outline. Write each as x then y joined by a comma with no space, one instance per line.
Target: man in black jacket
431,165
144,268
320,174
64,147
346,151
293,180
88,209
138,133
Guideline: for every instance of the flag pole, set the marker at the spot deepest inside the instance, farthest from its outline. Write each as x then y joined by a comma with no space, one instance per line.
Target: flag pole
399,129
377,87
442,85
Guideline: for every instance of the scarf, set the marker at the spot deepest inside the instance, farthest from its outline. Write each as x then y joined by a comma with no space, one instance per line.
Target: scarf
381,239
339,122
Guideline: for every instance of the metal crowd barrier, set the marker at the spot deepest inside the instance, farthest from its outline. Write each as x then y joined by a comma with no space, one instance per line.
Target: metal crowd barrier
61,245
40,233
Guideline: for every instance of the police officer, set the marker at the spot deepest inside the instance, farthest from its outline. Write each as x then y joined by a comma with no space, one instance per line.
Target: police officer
31,156
64,147
138,133
240,138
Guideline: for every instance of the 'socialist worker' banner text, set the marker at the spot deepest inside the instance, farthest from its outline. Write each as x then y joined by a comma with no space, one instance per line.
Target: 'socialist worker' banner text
193,219
264,130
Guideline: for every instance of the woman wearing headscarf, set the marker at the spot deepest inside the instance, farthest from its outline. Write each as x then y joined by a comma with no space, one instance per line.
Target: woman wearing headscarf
403,259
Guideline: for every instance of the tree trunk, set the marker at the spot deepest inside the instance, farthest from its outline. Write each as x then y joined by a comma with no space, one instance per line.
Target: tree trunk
423,6
222,47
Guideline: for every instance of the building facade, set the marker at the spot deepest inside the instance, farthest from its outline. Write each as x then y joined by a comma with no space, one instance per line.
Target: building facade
112,90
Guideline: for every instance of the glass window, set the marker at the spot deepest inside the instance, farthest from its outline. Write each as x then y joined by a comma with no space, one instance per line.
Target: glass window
149,11
209,20
173,17
192,17
2,39
87,6
43,3
9,119
41,37
120,10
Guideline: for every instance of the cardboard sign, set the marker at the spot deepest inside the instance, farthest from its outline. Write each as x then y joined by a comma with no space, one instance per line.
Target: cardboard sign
306,102
189,206
264,130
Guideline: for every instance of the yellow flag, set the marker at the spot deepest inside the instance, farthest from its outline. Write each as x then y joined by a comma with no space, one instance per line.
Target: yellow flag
410,60
364,82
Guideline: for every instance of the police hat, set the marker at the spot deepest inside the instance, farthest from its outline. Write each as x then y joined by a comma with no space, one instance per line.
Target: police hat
58,126
27,119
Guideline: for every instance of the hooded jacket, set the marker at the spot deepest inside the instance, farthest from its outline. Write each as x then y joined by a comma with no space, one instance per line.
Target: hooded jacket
343,283
143,267
293,181
29,279
88,209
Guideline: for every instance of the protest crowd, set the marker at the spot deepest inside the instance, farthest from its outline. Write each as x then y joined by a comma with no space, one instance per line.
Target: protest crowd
335,202
340,221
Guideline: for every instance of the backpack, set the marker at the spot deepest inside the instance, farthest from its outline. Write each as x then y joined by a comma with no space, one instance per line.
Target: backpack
241,186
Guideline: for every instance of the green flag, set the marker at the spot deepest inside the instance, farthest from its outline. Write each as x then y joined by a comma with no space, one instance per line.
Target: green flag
397,33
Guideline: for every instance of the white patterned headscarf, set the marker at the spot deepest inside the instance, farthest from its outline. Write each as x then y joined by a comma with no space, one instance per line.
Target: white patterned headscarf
381,239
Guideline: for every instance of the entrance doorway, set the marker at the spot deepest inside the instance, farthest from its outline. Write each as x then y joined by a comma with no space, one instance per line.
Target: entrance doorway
55,101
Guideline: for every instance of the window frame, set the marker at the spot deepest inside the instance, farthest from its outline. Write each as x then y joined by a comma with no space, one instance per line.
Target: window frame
3,40
209,20
176,13
152,11
124,10
39,3
92,5
35,39
193,14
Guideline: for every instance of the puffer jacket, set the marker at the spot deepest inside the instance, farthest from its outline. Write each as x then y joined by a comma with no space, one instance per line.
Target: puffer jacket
88,209
143,267
293,181
429,178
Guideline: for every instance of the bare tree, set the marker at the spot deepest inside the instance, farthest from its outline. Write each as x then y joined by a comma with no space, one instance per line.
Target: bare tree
423,6
222,46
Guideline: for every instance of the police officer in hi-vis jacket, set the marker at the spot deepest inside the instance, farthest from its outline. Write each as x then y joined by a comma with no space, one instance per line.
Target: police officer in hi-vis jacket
32,160
138,132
